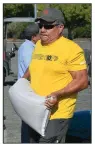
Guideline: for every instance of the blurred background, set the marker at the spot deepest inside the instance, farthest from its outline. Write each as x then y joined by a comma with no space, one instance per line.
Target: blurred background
77,18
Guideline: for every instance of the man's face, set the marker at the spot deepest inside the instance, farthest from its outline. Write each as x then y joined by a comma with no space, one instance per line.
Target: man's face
36,38
49,31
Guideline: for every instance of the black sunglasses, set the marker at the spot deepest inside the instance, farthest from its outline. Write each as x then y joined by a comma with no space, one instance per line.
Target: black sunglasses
47,26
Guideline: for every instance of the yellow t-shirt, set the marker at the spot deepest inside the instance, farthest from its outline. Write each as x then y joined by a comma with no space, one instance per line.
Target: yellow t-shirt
49,71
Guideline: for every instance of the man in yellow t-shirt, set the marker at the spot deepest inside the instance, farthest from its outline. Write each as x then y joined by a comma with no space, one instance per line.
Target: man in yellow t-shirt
58,70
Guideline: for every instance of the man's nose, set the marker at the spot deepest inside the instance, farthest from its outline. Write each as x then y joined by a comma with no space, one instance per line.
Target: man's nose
43,29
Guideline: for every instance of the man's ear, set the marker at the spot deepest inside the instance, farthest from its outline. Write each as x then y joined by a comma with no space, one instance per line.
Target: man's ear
61,27
33,38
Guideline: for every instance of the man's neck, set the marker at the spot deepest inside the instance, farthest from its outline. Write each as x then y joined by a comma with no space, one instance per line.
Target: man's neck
50,42
33,41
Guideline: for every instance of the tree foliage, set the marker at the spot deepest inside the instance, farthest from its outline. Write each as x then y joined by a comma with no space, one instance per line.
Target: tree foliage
18,10
15,30
77,16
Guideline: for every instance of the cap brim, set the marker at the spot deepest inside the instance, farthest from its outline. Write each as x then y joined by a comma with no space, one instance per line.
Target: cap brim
45,19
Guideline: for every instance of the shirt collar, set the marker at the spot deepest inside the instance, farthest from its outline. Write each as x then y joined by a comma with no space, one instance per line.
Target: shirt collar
28,41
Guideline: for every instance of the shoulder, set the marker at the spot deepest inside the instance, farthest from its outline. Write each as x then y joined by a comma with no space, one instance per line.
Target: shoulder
21,47
25,49
38,43
71,45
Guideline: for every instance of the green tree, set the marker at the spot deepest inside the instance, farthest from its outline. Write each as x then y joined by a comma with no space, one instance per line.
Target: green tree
15,29
76,15
18,10
41,7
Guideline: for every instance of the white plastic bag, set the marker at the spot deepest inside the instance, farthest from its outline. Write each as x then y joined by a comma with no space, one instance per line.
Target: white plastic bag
29,106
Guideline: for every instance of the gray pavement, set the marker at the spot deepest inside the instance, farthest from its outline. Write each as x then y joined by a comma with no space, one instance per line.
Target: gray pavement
13,122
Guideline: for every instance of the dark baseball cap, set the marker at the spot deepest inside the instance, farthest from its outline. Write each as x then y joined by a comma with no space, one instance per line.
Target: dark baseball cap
51,15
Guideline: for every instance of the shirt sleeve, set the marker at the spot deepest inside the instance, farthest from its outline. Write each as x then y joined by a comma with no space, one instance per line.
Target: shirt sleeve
76,59
27,56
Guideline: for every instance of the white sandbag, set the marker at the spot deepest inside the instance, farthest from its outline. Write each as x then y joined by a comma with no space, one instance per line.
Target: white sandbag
29,106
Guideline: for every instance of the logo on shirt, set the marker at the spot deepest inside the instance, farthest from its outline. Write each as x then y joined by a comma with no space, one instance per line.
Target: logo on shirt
45,12
45,57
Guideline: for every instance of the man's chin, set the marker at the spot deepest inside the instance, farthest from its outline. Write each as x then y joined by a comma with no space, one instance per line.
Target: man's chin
44,40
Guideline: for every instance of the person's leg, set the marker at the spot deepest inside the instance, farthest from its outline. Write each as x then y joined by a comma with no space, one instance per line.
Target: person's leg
34,136
55,131
25,138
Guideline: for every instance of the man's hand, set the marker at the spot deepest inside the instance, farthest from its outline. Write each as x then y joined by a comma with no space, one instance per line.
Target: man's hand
51,101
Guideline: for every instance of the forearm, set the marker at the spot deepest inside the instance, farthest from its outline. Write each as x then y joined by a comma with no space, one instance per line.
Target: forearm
73,87
27,74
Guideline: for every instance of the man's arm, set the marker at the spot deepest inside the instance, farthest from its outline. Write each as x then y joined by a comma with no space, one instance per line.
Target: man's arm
26,74
27,56
76,66
79,82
